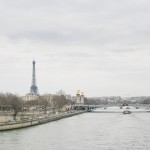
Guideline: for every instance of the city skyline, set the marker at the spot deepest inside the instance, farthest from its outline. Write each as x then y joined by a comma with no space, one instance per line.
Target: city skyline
99,47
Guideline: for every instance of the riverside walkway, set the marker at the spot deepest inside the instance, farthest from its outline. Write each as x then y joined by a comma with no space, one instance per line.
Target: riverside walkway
36,121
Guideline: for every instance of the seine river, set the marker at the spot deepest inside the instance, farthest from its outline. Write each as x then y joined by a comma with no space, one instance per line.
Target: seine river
89,131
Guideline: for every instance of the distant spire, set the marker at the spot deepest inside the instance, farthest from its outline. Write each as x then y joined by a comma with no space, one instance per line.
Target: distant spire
34,88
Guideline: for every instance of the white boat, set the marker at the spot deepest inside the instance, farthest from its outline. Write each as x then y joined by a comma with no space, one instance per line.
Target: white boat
127,112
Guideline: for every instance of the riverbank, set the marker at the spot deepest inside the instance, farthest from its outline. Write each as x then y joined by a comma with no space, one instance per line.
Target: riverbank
32,122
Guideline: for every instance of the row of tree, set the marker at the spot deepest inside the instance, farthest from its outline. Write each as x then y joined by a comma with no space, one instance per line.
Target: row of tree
12,103
145,101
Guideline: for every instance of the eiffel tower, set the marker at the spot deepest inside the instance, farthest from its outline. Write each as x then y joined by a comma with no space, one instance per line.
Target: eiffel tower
34,88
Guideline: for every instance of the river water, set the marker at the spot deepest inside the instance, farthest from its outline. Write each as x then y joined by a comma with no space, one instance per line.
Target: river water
89,131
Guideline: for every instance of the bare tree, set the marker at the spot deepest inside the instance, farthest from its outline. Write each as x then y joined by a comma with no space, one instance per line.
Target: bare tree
10,101
60,92
146,101
43,102
59,101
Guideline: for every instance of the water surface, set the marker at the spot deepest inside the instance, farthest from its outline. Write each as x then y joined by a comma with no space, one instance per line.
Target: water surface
97,131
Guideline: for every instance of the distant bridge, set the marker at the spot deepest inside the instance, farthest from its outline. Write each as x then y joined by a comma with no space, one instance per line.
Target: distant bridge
85,107
90,107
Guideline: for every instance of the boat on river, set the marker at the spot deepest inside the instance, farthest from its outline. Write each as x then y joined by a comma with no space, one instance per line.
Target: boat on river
127,112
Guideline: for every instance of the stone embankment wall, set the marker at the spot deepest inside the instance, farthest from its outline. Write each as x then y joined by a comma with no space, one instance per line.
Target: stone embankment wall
23,124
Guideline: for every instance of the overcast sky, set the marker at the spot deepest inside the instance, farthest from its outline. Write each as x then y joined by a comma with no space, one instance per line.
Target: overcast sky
101,47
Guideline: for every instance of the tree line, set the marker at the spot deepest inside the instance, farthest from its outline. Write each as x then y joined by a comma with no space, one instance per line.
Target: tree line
13,103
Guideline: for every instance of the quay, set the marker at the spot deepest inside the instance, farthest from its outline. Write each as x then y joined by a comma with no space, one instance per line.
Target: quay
32,122
77,109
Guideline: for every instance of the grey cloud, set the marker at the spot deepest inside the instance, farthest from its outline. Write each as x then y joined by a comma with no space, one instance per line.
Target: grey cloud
102,39
101,24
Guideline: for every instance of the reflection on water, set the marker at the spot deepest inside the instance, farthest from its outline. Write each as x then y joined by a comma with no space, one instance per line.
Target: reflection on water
112,131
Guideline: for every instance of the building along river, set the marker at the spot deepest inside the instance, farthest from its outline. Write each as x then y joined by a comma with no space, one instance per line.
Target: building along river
88,131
